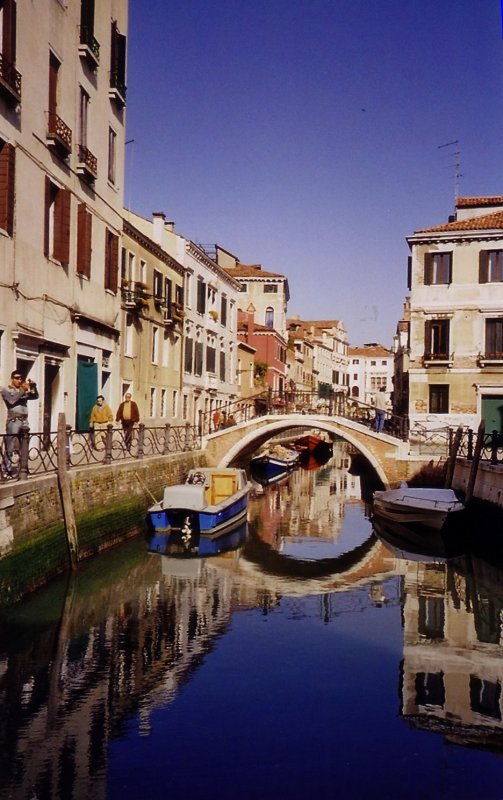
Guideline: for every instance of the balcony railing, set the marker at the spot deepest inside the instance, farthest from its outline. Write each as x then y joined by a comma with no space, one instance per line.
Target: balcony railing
89,46
87,164
490,359
59,134
117,89
10,80
135,296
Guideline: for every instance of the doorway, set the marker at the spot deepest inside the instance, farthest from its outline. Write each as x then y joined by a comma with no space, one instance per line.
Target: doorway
492,412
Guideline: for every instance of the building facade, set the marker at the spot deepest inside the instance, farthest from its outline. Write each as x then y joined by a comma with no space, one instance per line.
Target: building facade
370,368
62,117
152,292
456,318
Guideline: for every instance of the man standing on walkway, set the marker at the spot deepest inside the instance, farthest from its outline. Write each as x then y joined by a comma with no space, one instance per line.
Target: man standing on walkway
15,397
381,405
128,415
101,416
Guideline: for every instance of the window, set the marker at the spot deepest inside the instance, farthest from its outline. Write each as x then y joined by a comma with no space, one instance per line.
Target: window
155,345
7,176
198,359
269,317
174,403
436,340
356,360
431,617
87,22
355,377
168,293
112,148
118,64
201,297
163,402
437,268
143,271
211,359
373,363
494,338
185,407
10,82
270,288
128,344
485,697
189,350
57,222
152,401
223,310
84,238
222,365
157,286
111,260
439,399
83,118
491,266
430,689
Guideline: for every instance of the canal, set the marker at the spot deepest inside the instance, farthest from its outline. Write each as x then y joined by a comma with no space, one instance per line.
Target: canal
313,661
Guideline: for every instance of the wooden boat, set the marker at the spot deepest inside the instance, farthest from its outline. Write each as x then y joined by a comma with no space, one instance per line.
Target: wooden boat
274,462
211,502
417,504
312,445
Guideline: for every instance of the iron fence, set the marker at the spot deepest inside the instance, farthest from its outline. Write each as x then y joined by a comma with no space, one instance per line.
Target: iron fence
37,453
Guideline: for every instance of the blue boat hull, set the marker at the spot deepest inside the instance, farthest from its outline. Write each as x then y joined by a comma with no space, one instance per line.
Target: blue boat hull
207,523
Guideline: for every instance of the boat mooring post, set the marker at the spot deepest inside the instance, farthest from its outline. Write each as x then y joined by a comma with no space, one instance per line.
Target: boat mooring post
66,494
451,461
475,462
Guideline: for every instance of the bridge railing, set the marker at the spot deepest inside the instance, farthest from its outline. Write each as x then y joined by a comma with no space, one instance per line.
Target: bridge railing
31,454
334,404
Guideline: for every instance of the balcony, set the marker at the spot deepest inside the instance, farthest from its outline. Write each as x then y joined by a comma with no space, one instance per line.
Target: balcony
87,165
117,90
135,296
89,47
59,135
10,81
490,360
438,359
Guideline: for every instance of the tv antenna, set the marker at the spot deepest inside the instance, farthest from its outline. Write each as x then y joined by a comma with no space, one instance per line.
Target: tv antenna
457,165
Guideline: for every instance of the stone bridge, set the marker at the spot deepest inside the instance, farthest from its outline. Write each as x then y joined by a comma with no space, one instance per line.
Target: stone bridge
389,456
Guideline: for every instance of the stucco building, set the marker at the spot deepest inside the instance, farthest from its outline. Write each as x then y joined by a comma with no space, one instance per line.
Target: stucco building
370,369
456,318
62,116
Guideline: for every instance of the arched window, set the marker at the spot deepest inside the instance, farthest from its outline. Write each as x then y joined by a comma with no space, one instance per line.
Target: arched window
355,391
269,317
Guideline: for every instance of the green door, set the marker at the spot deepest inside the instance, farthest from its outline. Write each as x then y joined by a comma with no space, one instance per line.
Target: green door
492,412
87,389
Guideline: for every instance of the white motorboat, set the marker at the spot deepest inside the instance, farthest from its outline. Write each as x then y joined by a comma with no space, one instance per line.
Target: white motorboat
417,504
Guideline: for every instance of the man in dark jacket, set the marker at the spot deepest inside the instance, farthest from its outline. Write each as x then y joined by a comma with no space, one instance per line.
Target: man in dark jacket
128,415
15,397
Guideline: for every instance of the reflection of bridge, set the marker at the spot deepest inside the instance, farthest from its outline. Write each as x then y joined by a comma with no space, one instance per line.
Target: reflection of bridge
388,455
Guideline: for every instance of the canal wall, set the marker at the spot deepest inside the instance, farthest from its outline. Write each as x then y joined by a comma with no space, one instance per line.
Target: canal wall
109,503
488,483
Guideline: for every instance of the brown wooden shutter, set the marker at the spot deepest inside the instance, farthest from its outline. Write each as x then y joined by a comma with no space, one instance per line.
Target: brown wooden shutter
47,213
111,261
9,31
483,266
84,240
7,182
62,206
427,268
427,339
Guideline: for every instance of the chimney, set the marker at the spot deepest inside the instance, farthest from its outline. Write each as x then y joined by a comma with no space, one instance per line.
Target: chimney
250,314
159,218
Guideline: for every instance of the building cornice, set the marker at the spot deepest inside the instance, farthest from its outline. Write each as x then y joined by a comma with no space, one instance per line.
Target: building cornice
196,252
152,247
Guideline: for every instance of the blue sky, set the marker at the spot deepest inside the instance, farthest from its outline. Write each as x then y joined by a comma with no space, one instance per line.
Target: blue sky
305,135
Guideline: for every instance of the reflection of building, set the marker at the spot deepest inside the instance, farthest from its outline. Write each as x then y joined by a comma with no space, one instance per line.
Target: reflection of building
453,666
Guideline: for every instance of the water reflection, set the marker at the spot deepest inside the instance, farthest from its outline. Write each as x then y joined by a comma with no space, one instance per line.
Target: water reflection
93,660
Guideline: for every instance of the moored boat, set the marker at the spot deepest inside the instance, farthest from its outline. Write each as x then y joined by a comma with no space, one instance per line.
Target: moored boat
211,502
406,504
313,445
274,462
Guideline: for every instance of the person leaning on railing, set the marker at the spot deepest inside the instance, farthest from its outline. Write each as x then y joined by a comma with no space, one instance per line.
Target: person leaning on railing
15,397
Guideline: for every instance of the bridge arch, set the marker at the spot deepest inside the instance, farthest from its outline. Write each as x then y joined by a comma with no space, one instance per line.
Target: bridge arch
232,443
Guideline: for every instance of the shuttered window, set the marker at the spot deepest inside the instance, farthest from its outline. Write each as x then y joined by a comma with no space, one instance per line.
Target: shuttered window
198,359
437,268
111,260
491,266
84,239
189,351
7,177
8,30
494,338
57,222
436,339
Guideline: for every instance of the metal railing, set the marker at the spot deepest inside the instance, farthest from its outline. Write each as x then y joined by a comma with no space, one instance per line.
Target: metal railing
335,404
34,454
